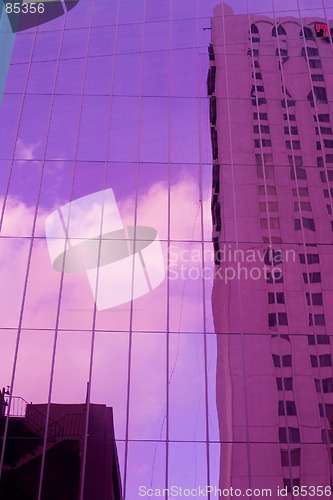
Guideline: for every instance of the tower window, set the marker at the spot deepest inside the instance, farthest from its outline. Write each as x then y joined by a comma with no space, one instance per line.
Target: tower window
286,360
270,206
265,143
279,31
327,384
308,223
316,299
259,101
283,319
295,160
272,257
323,339
213,110
216,178
274,278
217,216
326,436
312,278
319,319
289,434
328,193
214,143
291,130
216,251
287,408
253,52
303,205
316,319
272,319
277,298
307,33
269,172
289,484
312,258
270,190
281,52
320,93
293,145
264,158
300,173
211,52
309,51
315,63
326,176
291,457
254,29
322,360
284,383
211,80
258,88
279,361
322,118
325,410
286,103
260,116
324,130
263,128
317,78
301,191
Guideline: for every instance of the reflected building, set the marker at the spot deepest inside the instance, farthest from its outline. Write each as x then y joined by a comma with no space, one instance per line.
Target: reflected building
64,451
270,86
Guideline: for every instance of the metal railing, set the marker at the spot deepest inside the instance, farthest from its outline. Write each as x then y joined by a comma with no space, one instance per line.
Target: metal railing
17,408
20,408
70,425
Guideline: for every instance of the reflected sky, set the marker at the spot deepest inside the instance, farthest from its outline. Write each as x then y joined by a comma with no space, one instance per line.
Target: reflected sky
114,95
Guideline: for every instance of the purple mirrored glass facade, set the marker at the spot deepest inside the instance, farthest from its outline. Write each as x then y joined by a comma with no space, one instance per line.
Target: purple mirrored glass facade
112,95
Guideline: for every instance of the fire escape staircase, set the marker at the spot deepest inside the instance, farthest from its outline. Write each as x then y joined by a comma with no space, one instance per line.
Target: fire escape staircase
27,429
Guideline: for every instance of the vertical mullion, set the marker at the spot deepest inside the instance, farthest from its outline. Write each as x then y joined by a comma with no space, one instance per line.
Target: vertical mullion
134,250
202,243
286,301
167,337
92,348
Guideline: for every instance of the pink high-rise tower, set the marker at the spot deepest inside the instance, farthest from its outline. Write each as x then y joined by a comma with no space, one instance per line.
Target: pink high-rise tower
270,84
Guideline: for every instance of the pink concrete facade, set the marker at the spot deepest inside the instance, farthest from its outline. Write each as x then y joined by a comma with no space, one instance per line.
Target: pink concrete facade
270,85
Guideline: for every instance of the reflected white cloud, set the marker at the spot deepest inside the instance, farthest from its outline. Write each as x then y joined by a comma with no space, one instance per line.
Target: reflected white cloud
122,263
